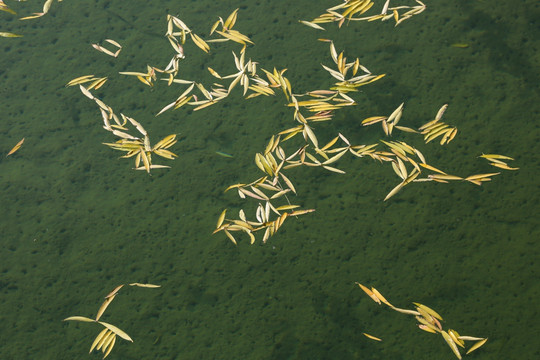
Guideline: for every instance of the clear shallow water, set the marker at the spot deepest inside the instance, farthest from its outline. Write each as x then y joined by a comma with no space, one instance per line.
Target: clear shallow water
77,221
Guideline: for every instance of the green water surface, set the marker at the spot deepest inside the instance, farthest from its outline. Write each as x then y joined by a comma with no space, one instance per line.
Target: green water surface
76,220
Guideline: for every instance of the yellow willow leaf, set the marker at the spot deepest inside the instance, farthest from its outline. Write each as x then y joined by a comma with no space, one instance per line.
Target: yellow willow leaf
114,291
380,296
100,336
80,80
107,351
221,218
9,35
229,235
451,343
105,340
150,286
394,191
16,147
116,330
200,42
104,306
476,346
79,318
231,20
371,337
429,310
369,293
496,156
